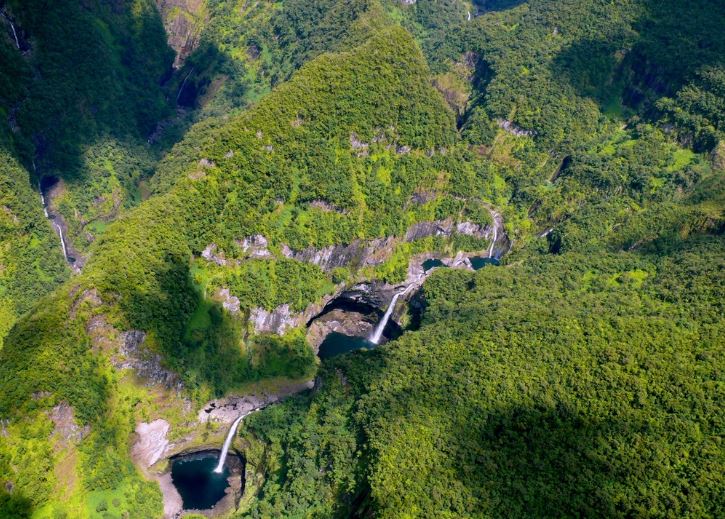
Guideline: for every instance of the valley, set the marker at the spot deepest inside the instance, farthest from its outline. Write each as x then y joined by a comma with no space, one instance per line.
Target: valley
374,258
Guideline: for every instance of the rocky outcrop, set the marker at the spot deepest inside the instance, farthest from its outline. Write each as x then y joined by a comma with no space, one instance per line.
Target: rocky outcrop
362,253
226,410
212,254
66,430
147,365
349,323
183,21
255,246
511,128
151,443
173,504
229,302
357,254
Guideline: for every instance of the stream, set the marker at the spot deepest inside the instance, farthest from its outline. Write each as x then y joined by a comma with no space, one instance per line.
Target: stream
45,184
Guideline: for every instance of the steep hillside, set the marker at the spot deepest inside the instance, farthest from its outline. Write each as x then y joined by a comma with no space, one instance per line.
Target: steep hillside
81,93
334,159
31,261
259,174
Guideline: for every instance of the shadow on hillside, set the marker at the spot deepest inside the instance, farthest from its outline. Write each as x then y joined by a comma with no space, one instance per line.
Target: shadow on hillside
539,462
13,504
205,344
667,45
487,6
104,78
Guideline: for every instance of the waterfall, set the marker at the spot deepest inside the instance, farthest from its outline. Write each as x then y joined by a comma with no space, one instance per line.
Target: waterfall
62,240
378,332
495,237
45,207
183,84
12,26
220,467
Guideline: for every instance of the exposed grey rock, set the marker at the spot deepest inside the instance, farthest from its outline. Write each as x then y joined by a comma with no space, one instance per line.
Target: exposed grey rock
228,409
229,302
471,229
349,323
255,246
151,442
511,128
210,254
66,428
359,146
424,229
145,363
276,321
173,503
326,206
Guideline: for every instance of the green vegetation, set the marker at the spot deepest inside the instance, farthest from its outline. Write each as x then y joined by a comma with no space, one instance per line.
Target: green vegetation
31,261
580,378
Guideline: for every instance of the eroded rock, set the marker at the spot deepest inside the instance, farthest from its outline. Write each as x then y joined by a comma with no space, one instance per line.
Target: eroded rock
151,442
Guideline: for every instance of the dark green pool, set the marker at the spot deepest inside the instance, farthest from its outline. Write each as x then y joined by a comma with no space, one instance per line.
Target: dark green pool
193,476
338,343
479,262
432,263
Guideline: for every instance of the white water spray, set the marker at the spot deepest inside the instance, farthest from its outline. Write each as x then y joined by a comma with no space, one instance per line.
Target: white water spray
62,240
546,233
227,443
45,207
12,26
495,237
378,332
15,34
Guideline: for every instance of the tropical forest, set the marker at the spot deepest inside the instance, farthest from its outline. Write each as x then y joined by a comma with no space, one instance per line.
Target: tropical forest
325,259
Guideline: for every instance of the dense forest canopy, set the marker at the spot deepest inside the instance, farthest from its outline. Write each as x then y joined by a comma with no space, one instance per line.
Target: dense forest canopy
581,377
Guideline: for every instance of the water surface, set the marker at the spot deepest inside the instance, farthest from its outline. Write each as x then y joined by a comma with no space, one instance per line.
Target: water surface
479,262
338,343
432,263
193,476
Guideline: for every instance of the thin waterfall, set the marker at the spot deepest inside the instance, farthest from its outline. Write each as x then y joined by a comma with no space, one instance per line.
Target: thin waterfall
495,237
378,332
15,34
62,240
227,443
12,26
45,207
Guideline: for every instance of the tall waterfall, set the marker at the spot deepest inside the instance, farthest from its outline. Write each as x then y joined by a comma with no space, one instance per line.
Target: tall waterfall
220,467
495,237
378,332
12,26
62,240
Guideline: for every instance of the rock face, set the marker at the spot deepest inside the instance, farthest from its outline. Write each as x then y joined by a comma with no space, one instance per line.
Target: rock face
66,429
183,21
151,442
146,364
255,246
228,409
229,302
511,128
349,323
357,254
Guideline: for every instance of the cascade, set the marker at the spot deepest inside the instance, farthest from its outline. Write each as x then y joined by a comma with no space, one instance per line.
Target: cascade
220,467
62,240
12,26
45,207
495,237
378,332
